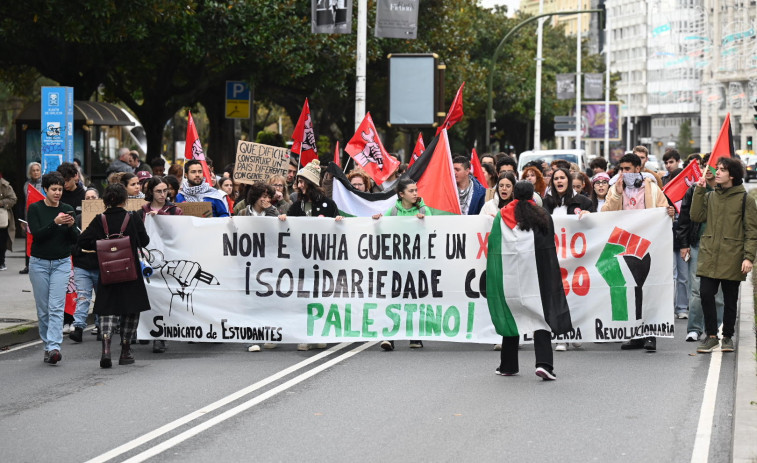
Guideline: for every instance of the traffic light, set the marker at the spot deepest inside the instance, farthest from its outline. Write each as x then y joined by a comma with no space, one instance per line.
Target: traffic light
749,143
754,104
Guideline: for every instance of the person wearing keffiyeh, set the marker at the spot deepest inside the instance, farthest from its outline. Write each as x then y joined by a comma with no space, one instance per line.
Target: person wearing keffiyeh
194,188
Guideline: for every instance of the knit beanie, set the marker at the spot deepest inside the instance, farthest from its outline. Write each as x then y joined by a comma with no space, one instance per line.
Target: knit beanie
312,171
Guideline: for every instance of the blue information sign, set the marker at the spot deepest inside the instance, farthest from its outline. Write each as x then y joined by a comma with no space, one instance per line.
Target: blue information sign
57,127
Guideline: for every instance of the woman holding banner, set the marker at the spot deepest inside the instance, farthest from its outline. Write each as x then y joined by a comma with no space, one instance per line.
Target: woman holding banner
311,202
522,249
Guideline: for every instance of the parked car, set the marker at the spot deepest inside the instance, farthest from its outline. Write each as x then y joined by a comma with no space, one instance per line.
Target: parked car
577,156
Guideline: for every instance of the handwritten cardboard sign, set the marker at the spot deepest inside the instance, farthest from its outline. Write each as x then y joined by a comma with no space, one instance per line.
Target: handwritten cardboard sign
256,162
91,207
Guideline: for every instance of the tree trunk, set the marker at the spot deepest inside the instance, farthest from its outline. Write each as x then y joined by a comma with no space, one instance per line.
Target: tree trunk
222,144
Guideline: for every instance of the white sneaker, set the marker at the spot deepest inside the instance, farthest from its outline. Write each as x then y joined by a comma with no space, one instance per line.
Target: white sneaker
66,329
498,347
682,315
303,346
253,348
561,347
270,345
692,336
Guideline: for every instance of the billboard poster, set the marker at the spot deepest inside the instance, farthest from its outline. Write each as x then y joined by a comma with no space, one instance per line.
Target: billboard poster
593,120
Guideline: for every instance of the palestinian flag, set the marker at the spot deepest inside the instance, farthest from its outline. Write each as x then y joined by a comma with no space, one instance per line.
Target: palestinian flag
435,176
723,145
355,203
524,288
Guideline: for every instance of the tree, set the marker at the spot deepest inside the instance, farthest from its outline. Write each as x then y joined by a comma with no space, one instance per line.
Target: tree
685,138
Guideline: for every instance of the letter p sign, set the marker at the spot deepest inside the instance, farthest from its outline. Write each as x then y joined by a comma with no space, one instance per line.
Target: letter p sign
237,100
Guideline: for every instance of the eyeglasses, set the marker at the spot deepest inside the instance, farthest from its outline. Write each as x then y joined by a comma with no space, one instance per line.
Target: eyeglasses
277,185
358,185
160,192
602,182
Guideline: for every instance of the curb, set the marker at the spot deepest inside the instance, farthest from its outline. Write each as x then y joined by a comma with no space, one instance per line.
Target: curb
745,400
25,332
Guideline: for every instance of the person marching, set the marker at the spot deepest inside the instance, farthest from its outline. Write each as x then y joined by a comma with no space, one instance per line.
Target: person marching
118,303
408,204
726,249
522,249
51,222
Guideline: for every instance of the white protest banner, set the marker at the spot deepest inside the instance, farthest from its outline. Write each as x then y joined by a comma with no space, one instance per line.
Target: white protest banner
248,279
256,162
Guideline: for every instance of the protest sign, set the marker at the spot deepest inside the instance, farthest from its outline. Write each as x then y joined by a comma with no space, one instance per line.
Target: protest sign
259,279
196,209
91,207
257,163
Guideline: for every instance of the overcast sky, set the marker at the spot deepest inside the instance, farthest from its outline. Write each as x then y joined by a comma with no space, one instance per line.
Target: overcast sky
512,5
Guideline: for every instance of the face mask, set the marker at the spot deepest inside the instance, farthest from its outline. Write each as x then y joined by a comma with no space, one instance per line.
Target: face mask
630,179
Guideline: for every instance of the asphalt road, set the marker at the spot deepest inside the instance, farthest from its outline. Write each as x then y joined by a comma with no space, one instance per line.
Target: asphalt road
440,403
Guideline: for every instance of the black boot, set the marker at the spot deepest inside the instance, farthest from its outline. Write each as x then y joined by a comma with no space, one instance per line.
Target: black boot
105,361
126,357
76,334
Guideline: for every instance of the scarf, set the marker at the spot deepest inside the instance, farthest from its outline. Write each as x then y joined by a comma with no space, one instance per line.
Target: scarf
464,197
508,212
196,194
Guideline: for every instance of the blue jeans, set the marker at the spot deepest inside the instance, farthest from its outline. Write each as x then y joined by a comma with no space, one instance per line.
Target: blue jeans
86,281
696,316
681,277
49,280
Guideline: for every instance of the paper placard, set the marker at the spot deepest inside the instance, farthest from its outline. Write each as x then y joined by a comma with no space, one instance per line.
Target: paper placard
256,162
91,207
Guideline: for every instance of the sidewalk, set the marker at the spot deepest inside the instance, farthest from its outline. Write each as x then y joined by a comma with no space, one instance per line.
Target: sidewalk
18,315
18,324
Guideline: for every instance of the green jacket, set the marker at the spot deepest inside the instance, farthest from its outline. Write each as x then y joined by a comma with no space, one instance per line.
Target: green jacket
399,211
728,239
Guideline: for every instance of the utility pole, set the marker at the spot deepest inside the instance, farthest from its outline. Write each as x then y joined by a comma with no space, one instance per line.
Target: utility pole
362,32
537,97
578,78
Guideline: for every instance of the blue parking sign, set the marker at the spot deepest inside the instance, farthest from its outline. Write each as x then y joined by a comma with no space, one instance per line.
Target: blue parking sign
237,90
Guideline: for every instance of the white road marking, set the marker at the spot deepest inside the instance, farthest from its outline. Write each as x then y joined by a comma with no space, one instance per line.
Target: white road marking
701,452
141,440
163,446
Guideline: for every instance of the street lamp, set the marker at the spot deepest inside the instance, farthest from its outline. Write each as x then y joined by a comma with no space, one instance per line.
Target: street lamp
490,83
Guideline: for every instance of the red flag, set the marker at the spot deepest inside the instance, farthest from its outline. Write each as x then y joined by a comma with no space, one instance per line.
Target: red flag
455,111
436,184
418,150
32,196
71,296
193,148
366,150
337,161
676,188
478,171
304,137
723,145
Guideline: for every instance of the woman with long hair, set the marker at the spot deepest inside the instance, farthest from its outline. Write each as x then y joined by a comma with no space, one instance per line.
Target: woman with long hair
157,199
581,184
311,199
311,202
561,199
118,303
533,174
360,180
408,204
131,183
521,226
226,184
503,194
601,186
52,224
491,175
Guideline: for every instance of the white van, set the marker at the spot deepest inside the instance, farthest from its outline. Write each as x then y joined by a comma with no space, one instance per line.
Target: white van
577,156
